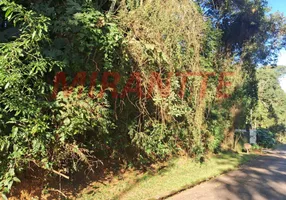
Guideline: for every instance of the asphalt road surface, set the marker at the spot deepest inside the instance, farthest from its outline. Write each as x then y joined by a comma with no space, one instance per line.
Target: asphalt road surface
262,178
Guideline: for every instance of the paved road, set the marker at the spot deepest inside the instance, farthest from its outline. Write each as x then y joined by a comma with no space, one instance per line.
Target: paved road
263,178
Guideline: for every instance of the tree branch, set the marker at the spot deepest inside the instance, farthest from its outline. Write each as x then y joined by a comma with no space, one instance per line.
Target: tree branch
111,9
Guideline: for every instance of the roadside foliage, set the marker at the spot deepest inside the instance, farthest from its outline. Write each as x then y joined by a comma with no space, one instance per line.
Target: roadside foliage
73,131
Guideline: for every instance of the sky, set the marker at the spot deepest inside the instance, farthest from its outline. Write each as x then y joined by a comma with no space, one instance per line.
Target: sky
279,5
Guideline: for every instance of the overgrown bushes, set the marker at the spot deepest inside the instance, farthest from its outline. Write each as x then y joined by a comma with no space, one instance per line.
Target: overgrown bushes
265,138
72,132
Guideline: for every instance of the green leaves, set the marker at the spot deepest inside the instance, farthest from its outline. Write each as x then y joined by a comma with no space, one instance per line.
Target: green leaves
74,36
270,109
21,99
265,138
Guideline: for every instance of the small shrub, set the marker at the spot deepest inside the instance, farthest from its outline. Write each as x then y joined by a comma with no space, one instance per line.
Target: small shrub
256,147
281,137
265,138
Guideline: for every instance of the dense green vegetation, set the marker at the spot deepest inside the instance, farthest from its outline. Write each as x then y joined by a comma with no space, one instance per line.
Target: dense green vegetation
269,114
270,110
75,132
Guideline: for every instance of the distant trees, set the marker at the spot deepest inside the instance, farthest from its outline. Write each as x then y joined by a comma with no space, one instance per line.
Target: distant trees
270,110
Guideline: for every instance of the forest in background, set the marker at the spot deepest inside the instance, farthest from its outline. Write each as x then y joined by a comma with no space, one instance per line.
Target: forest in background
77,133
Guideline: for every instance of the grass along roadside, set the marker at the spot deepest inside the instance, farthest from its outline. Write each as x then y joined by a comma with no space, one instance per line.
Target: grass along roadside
178,174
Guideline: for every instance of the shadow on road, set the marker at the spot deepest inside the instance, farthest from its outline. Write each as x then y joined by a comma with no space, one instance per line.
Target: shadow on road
262,178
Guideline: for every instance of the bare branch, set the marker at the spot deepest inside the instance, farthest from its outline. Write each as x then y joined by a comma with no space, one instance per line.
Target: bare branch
111,9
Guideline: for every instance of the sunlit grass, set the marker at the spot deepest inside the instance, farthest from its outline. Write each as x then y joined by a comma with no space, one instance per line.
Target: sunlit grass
178,174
